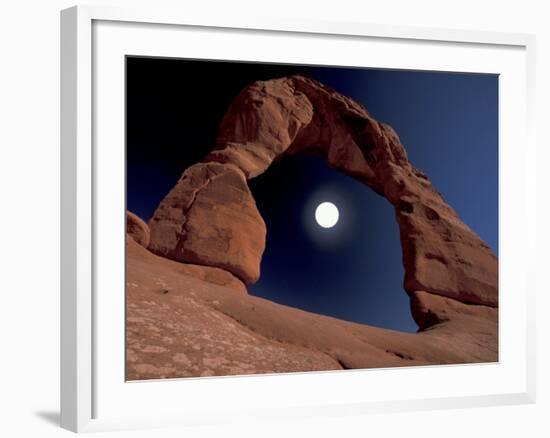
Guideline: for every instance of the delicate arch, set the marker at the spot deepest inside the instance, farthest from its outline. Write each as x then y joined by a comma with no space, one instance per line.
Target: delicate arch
210,216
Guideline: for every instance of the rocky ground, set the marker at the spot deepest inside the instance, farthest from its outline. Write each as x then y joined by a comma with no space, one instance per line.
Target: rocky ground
188,321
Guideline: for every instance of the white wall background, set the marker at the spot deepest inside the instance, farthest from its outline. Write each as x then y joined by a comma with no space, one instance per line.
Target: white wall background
29,215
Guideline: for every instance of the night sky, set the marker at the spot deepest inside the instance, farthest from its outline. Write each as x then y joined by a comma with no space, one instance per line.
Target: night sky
448,123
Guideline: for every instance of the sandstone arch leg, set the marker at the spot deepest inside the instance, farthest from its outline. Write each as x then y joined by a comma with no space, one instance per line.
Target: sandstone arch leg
210,218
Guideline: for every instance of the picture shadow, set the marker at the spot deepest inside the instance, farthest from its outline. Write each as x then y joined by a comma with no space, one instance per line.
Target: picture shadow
51,417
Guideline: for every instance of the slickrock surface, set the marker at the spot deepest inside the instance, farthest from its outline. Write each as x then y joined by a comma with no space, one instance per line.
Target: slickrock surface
181,326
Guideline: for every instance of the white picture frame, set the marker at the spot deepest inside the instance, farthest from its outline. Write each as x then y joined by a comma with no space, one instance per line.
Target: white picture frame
85,385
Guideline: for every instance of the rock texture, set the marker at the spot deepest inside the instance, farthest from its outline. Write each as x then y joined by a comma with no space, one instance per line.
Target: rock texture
179,325
137,229
196,223
210,218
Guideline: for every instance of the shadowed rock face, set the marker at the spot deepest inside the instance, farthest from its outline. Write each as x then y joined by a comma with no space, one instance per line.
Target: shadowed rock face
210,218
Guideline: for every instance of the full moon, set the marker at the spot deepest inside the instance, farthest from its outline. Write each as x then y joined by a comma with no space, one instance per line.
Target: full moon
327,214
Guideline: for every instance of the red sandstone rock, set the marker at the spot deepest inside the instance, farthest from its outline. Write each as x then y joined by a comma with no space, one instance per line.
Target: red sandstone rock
260,124
137,229
429,310
210,218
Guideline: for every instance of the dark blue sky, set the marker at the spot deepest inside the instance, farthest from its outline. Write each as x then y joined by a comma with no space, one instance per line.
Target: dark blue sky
448,123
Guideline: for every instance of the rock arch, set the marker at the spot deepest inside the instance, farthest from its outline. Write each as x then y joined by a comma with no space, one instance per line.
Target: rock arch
210,217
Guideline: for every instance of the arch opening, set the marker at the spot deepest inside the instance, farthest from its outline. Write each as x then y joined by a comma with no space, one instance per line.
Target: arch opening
352,271
210,216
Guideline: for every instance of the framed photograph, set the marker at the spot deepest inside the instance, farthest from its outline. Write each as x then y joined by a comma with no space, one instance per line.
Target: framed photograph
283,218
